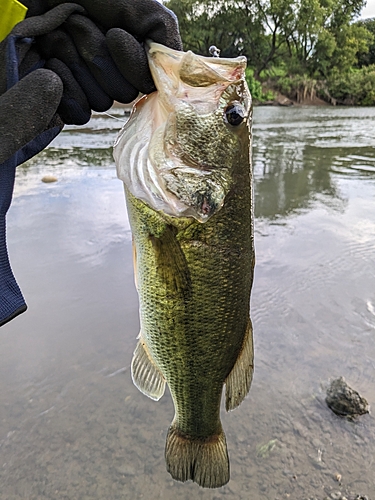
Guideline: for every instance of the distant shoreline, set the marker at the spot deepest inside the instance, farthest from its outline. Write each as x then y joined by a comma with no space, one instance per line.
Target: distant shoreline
283,100
280,100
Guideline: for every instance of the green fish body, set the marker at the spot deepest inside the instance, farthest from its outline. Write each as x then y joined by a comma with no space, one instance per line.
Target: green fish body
184,157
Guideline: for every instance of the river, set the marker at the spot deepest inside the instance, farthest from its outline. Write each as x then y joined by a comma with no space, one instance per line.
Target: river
73,426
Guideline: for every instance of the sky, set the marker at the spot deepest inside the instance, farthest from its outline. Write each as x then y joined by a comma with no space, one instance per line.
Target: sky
369,10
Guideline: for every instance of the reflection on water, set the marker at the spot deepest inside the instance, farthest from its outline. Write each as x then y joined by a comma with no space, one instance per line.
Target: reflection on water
291,179
77,156
72,425
296,153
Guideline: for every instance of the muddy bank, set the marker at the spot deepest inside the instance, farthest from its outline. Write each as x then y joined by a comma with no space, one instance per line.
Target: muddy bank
282,100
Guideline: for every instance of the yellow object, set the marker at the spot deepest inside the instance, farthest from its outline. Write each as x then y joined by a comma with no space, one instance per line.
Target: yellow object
11,13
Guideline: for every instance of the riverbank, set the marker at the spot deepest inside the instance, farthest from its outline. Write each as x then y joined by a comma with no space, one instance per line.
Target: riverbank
354,88
282,100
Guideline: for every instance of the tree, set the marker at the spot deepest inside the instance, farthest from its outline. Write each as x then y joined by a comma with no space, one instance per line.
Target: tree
342,39
321,36
310,37
367,57
237,27
201,24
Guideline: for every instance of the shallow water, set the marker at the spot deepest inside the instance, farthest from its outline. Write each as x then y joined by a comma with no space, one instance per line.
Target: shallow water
73,426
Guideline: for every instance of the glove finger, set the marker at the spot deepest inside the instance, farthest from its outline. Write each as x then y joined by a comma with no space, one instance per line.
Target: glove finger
92,47
130,58
40,142
16,46
58,44
142,18
74,108
35,7
40,25
27,109
161,26
30,62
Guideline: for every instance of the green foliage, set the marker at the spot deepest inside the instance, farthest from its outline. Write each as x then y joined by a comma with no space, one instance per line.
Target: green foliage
302,47
256,89
300,88
354,88
351,40
367,56
274,72
323,37
313,37
213,22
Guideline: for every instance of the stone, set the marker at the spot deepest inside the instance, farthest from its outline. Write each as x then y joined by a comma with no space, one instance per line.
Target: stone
49,178
345,401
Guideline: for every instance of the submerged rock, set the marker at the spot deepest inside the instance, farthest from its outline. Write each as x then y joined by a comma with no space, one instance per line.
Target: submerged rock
345,401
49,178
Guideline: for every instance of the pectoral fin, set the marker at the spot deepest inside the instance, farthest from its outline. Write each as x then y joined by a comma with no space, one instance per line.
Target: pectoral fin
171,263
145,374
238,382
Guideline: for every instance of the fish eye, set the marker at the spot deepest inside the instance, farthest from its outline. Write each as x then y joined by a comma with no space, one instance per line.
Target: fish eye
234,114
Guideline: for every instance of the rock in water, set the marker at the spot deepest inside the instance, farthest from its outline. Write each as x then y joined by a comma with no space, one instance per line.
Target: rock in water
345,401
49,178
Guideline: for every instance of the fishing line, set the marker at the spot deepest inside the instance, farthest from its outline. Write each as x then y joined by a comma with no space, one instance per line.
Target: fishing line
115,117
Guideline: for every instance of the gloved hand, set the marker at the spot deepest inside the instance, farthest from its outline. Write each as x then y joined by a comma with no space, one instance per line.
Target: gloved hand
57,65
79,50
126,24
18,58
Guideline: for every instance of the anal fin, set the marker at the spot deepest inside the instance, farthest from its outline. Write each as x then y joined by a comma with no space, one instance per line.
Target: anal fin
171,263
238,382
145,374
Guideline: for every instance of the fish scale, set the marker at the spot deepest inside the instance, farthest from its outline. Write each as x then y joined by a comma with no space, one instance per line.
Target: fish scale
194,133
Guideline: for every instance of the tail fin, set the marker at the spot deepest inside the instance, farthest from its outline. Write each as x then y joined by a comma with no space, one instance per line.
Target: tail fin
204,461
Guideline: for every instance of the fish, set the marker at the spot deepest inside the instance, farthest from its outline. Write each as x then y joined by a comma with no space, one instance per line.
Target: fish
184,157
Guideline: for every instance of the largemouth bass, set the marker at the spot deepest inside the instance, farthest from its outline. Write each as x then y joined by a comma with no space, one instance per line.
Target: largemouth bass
184,158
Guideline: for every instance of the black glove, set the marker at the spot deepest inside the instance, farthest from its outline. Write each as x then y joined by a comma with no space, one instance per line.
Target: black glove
26,108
